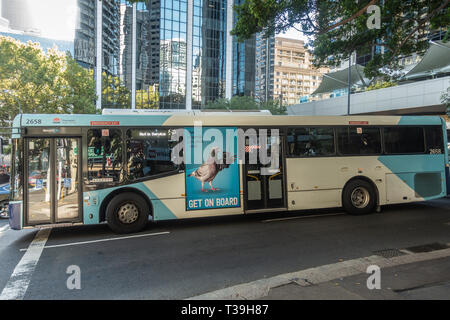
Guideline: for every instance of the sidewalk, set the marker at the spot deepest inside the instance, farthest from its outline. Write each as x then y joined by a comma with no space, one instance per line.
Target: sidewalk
421,272
420,280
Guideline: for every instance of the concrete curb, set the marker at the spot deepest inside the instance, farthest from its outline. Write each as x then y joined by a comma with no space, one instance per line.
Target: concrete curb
312,276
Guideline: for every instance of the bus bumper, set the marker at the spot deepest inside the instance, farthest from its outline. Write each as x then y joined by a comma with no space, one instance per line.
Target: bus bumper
15,215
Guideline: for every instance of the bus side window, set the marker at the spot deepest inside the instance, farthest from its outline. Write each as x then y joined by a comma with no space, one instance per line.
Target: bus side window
149,152
403,140
359,140
434,140
311,142
105,155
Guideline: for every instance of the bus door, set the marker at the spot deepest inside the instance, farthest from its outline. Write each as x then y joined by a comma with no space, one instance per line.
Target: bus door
52,168
263,180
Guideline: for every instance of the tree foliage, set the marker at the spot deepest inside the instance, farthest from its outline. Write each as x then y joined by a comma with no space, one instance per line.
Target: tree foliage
338,28
246,103
445,99
147,99
41,82
380,85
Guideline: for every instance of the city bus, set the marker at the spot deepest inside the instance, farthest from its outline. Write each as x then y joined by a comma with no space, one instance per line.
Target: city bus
127,168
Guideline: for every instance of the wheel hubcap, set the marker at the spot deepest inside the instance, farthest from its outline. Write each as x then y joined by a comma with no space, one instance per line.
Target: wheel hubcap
128,213
360,197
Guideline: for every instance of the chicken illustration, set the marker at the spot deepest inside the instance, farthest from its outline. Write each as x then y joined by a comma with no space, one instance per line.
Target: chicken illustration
209,170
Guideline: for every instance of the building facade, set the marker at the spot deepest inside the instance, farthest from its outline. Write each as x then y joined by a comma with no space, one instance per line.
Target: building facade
264,70
244,59
184,52
285,71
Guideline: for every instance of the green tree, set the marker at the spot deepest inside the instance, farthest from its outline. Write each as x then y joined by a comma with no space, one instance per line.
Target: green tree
339,28
380,85
80,90
147,99
114,93
245,103
445,99
274,107
49,82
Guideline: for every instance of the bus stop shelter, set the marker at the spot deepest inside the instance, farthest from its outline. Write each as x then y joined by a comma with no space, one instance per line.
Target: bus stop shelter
340,79
435,61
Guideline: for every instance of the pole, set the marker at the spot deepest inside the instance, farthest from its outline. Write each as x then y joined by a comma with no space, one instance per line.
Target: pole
189,52
99,51
349,84
133,59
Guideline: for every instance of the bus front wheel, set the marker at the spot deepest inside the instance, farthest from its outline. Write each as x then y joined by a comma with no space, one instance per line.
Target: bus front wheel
127,213
358,197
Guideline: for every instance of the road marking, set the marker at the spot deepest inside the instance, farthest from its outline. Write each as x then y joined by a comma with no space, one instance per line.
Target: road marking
313,276
18,283
4,228
103,240
304,217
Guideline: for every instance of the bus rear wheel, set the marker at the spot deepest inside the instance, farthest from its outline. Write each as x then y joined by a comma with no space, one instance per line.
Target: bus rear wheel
358,197
127,213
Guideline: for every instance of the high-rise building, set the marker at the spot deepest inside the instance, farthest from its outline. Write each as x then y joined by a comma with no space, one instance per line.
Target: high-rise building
243,64
244,68
264,69
85,34
284,70
191,59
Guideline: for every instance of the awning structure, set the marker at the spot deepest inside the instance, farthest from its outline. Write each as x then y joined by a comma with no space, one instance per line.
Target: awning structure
436,60
339,79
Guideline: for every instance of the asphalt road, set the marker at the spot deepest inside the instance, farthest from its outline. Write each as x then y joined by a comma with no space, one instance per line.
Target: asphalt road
191,257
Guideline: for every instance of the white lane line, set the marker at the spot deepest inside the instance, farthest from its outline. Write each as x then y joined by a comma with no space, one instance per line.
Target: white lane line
304,217
103,240
18,283
4,228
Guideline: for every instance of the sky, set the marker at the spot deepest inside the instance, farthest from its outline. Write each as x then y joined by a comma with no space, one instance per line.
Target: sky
294,34
51,13
46,14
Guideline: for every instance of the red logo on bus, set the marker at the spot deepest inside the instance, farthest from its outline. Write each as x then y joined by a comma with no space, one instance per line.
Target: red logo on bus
56,120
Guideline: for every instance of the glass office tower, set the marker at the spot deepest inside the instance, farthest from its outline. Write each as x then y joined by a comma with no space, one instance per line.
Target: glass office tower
244,65
186,52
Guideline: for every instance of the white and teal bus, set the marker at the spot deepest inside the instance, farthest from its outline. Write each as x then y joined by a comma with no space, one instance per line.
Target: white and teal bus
125,169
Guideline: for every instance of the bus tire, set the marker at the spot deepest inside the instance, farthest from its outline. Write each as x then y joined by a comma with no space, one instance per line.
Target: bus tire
127,213
358,197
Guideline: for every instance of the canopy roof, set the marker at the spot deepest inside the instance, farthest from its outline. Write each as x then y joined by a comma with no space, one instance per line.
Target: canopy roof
436,60
339,79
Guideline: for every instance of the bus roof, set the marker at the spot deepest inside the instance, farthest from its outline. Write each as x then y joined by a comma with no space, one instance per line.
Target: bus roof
214,120
210,112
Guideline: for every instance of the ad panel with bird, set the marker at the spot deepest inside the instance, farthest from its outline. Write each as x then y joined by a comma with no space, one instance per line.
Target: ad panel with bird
212,175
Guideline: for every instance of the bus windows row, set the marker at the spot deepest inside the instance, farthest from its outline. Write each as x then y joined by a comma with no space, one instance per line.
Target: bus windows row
148,152
351,140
